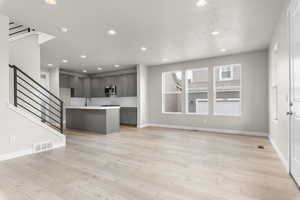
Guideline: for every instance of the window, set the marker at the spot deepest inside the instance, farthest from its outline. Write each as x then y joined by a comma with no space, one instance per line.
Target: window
172,88
226,73
227,89
197,91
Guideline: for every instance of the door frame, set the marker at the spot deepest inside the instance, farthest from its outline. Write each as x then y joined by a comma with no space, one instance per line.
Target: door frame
293,6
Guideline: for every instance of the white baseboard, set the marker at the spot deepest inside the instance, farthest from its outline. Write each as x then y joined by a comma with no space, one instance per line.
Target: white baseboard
26,152
280,155
143,125
226,131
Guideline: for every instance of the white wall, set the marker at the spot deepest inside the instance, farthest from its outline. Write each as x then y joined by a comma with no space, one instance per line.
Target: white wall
279,75
142,95
254,95
54,81
18,133
25,54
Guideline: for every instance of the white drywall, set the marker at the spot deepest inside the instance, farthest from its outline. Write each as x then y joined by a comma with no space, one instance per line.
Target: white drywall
279,75
18,133
254,95
142,95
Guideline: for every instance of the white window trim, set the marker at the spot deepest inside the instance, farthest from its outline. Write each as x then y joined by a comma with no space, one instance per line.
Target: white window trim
163,92
221,71
215,92
187,91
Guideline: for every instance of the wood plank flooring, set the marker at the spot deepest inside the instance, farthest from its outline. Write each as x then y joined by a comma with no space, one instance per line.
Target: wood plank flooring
150,164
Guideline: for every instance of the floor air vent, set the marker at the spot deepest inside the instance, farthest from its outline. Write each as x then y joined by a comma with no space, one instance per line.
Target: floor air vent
260,147
41,147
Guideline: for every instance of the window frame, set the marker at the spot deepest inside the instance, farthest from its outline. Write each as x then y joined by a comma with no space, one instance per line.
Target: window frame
215,92
163,92
186,91
222,70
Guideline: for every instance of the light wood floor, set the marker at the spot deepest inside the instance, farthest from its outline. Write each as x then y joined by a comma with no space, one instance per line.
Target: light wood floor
150,164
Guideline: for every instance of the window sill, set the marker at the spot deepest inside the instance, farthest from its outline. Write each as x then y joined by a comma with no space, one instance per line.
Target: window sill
223,115
172,113
198,114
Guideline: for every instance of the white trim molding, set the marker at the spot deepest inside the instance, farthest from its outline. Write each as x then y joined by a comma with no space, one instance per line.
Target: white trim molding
280,155
27,152
223,131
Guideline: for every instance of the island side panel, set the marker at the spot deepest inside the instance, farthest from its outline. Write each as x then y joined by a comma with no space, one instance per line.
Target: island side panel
74,119
88,120
112,120
95,121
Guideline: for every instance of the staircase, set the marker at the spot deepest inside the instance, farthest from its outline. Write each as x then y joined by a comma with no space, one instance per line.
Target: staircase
16,29
36,100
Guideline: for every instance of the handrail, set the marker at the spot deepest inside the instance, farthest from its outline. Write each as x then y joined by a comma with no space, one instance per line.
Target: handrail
15,27
23,30
13,66
28,91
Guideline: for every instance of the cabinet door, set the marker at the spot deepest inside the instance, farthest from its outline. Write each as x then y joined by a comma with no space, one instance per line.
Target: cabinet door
97,87
77,84
86,87
64,81
131,84
121,86
128,116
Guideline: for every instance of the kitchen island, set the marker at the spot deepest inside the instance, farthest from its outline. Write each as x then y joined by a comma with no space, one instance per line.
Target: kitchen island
99,119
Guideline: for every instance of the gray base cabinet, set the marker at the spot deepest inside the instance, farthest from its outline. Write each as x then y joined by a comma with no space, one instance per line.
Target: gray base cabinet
128,116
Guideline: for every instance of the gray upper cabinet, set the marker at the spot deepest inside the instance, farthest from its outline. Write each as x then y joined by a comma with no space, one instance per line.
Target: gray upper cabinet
64,81
97,87
86,87
131,84
77,84
94,86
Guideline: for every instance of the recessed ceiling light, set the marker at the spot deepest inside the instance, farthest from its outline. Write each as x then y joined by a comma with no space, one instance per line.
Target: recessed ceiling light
144,48
223,50
201,3
215,33
51,2
99,68
84,71
83,56
112,32
117,66
65,61
64,29
50,65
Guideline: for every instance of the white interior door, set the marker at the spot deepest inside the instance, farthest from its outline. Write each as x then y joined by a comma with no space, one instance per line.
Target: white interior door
295,90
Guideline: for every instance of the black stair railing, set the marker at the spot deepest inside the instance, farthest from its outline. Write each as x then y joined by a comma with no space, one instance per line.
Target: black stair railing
16,29
37,100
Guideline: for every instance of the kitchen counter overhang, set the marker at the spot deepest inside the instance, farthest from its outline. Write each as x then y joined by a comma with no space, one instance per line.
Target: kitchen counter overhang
99,119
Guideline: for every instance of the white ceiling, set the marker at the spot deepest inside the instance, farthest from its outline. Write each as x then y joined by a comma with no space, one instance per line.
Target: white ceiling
172,29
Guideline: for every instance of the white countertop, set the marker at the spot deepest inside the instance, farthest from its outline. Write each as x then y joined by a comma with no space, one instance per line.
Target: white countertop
93,107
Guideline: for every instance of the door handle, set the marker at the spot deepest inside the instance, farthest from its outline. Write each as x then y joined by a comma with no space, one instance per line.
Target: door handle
289,113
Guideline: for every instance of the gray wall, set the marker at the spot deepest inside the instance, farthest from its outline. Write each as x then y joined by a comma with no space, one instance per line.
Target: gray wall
254,94
279,74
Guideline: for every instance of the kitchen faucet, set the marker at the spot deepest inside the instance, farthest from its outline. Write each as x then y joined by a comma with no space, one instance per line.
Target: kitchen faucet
86,101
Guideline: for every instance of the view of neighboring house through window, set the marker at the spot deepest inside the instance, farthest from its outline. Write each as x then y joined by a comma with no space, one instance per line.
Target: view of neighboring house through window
172,88
227,88
197,91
